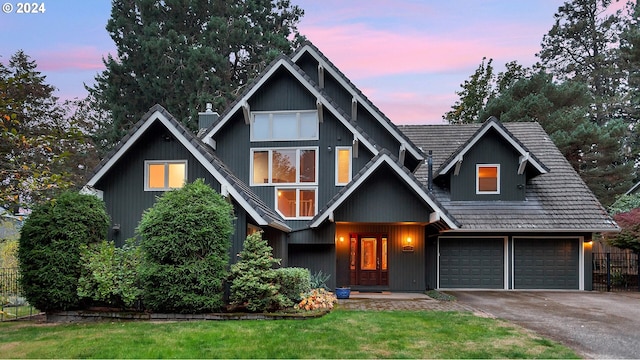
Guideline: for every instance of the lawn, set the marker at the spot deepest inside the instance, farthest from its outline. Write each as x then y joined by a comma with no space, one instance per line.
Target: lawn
340,334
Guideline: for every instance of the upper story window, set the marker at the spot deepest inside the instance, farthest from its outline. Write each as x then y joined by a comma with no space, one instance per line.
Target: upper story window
487,179
284,166
164,175
343,165
284,125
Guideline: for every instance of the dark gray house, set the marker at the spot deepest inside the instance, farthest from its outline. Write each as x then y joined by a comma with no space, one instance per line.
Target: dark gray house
335,186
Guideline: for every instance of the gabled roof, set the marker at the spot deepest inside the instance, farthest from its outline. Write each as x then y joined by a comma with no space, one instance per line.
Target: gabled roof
311,49
283,62
384,157
240,192
557,200
491,123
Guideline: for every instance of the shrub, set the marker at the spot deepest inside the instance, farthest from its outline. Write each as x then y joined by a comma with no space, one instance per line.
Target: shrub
185,242
110,274
319,280
253,279
49,249
317,299
293,283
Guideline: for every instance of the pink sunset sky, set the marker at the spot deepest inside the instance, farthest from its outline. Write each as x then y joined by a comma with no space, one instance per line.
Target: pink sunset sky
408,56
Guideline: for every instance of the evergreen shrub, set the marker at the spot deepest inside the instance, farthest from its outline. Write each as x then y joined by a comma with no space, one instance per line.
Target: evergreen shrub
49,251
294,282
185,240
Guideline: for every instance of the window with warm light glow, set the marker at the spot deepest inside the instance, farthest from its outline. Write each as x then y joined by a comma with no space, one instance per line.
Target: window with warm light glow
164,175
488,179
296,203
284,166
343,165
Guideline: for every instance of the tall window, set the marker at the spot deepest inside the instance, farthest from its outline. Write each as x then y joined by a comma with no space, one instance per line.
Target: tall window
487,179
284,166
284,125
164,175
343,165
296,203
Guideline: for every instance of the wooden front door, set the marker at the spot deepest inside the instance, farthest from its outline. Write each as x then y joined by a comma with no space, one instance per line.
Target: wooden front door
369,266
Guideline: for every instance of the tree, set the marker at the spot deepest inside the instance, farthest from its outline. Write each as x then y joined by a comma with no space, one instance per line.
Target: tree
185,239
582,46
625,203
473,96
43,150
629,236
183,54
630,63
49,249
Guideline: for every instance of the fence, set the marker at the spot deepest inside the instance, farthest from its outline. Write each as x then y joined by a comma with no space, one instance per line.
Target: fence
12,304
615,271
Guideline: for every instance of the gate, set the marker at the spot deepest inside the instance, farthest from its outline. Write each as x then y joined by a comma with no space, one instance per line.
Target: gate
615,271
12,303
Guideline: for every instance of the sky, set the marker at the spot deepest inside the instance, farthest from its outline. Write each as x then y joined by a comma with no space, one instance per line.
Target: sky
409,57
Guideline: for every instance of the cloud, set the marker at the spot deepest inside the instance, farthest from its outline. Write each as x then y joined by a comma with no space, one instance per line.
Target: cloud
82,58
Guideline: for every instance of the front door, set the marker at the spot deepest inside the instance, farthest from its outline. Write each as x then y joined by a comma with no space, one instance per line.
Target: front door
369,266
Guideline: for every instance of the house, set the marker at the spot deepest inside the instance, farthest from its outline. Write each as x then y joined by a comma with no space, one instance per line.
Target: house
335,186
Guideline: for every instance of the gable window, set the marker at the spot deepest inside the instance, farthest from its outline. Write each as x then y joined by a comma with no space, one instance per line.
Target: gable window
487,179
297,203
343,165
164,175
284,125
284,166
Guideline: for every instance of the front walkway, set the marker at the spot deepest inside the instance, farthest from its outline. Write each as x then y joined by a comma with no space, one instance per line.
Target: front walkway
400,301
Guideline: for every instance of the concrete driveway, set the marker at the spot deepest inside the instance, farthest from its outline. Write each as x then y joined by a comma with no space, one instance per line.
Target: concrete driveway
596,325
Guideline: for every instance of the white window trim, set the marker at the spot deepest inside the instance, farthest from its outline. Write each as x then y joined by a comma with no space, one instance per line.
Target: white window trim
338,148
297,188
478,192
271,113
166,173
270,150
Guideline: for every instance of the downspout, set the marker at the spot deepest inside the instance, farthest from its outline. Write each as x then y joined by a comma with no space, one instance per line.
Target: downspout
430,174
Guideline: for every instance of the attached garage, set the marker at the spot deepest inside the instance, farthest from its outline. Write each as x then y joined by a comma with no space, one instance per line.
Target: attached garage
546,263
468,263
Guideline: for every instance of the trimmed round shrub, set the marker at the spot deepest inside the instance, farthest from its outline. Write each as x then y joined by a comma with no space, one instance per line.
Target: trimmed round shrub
49,251
294,282
185,239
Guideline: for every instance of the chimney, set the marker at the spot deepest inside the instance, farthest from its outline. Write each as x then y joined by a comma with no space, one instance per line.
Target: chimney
430,169
207,118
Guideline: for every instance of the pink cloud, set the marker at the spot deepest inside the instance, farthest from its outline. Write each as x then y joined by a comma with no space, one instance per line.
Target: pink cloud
71,58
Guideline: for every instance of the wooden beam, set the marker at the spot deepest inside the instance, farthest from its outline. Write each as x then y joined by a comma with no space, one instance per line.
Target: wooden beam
523,160
320,112
456,171
321,76
246,111
354,150
401,154
354,109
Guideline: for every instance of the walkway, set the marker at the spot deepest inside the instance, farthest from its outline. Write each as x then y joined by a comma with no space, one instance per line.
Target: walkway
400,301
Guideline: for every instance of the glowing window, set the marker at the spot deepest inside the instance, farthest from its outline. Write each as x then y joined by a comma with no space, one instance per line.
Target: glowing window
343,165
284,166
488,179
296,203
164,175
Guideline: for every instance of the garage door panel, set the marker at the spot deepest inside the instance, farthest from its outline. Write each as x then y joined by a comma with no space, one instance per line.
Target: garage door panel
544,263
472,263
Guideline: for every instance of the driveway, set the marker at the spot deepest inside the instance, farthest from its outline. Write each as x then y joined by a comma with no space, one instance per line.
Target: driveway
594,324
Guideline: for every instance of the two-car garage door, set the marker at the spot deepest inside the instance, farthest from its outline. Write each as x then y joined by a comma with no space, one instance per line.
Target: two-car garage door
537,263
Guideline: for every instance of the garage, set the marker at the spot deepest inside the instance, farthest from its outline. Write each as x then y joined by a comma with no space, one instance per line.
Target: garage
468,263
546,263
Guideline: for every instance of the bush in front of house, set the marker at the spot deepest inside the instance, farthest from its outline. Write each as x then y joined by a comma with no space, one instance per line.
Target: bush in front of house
110,274
254,283
185,239
293,283
49,249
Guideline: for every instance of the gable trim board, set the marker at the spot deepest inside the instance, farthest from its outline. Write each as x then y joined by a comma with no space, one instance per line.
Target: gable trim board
359,179
156,113
492,123
358,97
282,62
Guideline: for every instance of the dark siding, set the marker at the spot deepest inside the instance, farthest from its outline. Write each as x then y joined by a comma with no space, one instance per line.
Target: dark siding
315,258
431,266
309,65
383,197
491,149
123,185
324,234
282,92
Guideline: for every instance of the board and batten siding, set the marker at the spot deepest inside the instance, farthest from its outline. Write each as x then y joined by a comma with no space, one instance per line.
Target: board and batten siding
315,257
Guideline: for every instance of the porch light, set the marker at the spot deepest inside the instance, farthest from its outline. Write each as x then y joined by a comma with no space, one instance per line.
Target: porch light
408,245
409,240
341,238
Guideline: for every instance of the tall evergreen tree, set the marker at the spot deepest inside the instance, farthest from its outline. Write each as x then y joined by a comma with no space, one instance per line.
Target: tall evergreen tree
185,53
630,62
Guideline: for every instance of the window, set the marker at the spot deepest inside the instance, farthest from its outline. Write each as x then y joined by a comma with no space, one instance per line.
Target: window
487,179
284,166
343,165
164,175
296,203
284,125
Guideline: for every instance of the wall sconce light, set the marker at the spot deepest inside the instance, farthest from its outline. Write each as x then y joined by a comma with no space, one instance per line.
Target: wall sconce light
329,148
408,245
341,238
116,229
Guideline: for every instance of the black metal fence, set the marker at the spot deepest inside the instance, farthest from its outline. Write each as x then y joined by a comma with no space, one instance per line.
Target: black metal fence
12,303
615,271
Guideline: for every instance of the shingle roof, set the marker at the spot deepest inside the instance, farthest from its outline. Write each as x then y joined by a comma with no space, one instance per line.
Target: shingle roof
556,201
244,195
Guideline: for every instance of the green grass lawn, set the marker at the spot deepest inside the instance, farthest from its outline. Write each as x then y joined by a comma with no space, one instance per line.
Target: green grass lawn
340,334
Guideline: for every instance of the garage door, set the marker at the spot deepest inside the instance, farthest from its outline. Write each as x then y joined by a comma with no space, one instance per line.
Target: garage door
471,263
546,263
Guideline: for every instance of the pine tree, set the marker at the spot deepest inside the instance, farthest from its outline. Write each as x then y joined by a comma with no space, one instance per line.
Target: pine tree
185,53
